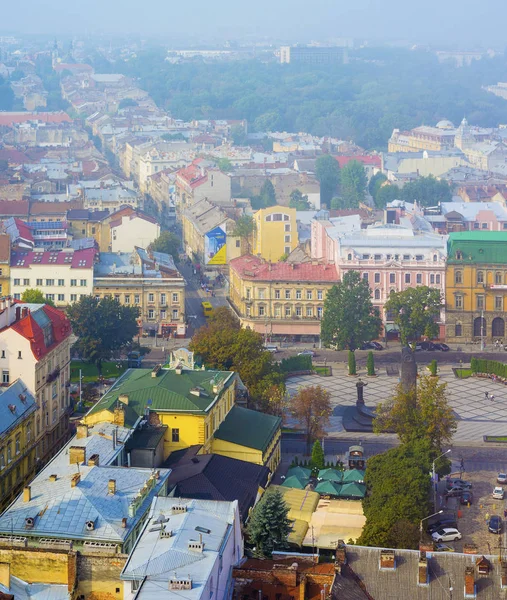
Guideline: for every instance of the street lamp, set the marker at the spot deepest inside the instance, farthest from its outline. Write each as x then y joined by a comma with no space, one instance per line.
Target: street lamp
425,519
433,477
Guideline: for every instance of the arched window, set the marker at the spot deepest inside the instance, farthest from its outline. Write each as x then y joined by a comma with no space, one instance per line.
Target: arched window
480,276
377,294
458,330
479,327
498,327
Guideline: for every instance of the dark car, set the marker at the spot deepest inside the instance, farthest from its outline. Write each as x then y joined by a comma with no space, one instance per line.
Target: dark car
427,346
450,522
372,346
459,483
495,524
455,492
441,347
466,497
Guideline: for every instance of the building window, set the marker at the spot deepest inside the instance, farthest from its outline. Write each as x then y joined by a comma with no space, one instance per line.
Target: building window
261,294
479,301
299,311
309,294
127,298
392,277
287,311
377,278
418,278
50,282
299,294
176,297
377,257
458,301
2,460
238,243
365,277
277,294
287,294
61,282
286,250
73,297
287,227
137,298
5,376
435,258
17,444
406,257
261,310
498,277
17,296
73,282
407,278
458,330
320,311
163,314
432,278
248,311
117,297
26,282
484,225
151,297
437,278
309,311
175,314
498,302
287,239
377,294
476,225
320,295
9,453
50,297
61,297
349,256
458,276
278,311
175,435
151,313
419,257
17,282
248,293
480,276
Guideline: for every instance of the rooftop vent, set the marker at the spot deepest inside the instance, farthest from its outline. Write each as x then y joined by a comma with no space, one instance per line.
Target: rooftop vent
156,370
93,461
179,508
53,477
77,454
180,584
387,559
423,570
29,522
111,487
90,525
81,431
27,493
196,545
75,479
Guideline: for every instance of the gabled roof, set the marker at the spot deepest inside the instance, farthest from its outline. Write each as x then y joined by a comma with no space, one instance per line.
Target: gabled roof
248,428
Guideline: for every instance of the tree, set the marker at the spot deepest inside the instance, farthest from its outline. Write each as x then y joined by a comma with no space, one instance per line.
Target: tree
433,367
370,364
225,165
429,418
126,102
352,363
268,195
416,312
311,406
103,326
349,318
35,296
327,171
298,201
168,243
428,191
376,182
244,229
353,182
387,193
238,135
269,526
222,317
318,457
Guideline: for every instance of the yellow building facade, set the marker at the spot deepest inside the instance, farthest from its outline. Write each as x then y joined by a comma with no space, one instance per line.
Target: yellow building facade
276,232
5,262
476,286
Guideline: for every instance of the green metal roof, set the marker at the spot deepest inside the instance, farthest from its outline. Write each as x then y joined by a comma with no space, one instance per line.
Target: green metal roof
248,428
487,247
168,392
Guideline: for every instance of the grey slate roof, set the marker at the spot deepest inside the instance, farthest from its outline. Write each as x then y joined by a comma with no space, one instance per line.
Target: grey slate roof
16,403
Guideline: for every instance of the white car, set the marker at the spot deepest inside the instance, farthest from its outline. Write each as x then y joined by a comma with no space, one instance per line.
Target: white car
446,534
501,478
307,353
498,493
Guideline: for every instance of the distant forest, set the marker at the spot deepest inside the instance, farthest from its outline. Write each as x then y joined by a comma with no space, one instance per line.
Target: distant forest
363,101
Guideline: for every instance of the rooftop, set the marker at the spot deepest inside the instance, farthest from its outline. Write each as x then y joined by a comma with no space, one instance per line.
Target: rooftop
21,590
487,247
248,428
75,259
253,268
190,392
16,403
154,559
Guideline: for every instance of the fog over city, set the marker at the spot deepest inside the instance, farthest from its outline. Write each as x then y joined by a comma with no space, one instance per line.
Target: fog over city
453,22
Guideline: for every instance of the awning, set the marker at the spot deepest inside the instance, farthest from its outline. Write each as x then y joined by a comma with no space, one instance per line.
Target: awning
392,327
150,326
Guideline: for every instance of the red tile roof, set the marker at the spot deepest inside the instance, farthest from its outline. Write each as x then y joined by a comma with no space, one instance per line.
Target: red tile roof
374,161
52,208
10,118
24,231
253,268
9,208
11,155
81,259
28,327
5,248
193,176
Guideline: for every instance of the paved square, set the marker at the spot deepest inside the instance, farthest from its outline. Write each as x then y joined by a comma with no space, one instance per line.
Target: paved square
477,416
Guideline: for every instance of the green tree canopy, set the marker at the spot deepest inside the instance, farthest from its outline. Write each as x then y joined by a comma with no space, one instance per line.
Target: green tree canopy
327,171
225,165
428,191
269,527
103,326
238,135
244,229
387,193
318,457
353,182
416,312
268,195
168,243
299,201
311,407
35,296
350,318
376,182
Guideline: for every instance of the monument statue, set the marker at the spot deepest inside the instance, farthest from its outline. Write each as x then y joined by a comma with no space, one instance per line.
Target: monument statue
408,378
360,385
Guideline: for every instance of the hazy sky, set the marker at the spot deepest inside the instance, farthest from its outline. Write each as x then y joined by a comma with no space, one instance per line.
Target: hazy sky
435,21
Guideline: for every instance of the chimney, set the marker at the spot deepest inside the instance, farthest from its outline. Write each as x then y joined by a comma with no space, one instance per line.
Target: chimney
470,581
124,522
81,431
470,549
119,416
27,493
425,547
18,313
93,461
387,560
341,553
77,454
75,479
115,438
24,312
5,575
111,487
124,399
423,570
53,477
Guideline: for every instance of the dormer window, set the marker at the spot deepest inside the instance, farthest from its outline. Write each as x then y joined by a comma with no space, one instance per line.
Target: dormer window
459,255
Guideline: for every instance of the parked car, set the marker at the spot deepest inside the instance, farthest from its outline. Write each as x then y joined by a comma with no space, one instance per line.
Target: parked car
427,346
495,524
498,493
459,483
443,548
442,524
307,353
466,497
442,347
372,346
455,491
501,478
446,534
271,348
